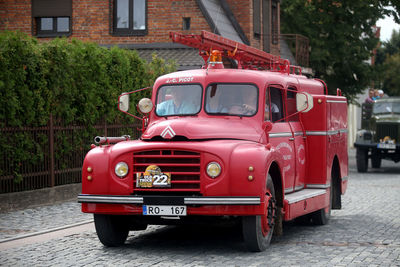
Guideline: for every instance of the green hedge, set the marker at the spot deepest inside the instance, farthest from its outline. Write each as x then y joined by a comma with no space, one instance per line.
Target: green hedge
77,82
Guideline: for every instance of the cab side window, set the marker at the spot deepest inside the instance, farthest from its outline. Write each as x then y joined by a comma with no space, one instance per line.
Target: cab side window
291,104
274,104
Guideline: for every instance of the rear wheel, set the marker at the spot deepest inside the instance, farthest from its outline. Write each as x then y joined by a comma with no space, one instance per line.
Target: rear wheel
258,230
112,230
322,216
362,160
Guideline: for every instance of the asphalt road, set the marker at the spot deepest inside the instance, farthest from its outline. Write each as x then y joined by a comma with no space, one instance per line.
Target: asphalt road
366,232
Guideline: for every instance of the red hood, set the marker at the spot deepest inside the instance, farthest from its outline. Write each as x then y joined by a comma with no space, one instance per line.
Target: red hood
197,128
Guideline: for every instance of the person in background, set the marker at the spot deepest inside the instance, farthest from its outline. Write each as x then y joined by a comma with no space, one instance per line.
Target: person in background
376,95
370,96
381,93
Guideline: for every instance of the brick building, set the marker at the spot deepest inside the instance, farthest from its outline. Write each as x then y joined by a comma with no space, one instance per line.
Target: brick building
144,25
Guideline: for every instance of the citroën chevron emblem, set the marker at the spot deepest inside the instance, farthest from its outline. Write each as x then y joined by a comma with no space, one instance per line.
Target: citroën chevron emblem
168,131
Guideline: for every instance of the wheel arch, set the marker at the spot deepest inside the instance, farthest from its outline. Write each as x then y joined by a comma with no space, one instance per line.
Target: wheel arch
276,176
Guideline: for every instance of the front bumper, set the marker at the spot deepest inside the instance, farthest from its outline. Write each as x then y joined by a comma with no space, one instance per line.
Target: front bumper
133,205
373,146
168,200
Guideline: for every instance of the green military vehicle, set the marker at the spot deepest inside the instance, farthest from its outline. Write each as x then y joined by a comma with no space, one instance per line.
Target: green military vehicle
379,137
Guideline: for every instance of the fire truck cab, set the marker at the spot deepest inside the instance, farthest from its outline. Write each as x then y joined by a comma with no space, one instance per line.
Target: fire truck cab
260,146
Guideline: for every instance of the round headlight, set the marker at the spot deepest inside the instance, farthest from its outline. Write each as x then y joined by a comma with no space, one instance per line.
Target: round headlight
213,169
145,105
121,169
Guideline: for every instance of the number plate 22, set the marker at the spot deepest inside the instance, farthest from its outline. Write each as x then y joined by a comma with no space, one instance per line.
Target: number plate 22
157,180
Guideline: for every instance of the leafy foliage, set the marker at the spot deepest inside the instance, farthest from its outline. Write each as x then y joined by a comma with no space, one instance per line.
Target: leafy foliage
388,64
341,35
78,83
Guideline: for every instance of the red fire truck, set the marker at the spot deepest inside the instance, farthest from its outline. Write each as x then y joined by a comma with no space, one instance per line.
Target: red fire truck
260,143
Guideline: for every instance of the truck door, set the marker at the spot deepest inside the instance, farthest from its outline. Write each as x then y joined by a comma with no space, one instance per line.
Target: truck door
298,138
281,135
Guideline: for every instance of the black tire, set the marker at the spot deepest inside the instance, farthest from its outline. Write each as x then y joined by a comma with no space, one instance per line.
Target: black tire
322,216
375,160
362,160
112,230
258,230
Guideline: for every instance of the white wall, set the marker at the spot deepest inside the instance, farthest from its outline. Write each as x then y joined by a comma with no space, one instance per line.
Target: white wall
354,117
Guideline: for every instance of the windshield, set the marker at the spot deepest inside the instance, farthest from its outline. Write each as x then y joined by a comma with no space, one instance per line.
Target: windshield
178,100
231,99
386,107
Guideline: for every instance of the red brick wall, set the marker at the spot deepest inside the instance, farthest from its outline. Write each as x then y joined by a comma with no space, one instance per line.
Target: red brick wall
15,15
91,20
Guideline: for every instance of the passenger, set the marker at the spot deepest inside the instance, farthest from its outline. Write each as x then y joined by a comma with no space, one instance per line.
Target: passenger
177,105
370,96
229,102
274,109
249,102
376,95
381,94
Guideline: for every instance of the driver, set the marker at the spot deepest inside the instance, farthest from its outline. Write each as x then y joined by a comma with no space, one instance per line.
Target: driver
179,104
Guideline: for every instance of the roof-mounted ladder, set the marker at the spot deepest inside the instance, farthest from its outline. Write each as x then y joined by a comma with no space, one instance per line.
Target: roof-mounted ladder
247,57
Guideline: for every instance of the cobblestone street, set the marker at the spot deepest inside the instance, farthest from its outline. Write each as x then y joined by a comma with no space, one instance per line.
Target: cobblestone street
366,232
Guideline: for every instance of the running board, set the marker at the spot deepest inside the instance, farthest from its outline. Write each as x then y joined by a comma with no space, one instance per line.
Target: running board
303,194
305,201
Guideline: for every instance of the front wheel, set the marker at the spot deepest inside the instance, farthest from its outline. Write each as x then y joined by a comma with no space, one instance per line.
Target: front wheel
375,160
362,159
112,230
258,230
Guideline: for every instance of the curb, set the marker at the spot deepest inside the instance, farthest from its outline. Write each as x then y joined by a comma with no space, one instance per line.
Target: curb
39,197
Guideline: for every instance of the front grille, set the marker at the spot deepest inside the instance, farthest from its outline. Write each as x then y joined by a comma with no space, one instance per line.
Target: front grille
184,167
386,129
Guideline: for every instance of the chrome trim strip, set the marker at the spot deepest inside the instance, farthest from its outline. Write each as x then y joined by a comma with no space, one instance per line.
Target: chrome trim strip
336,101
304,194
316,133
222,200
323,133
298,134
272,135
318,186
289,190
299,187
346,178
110,199
187,200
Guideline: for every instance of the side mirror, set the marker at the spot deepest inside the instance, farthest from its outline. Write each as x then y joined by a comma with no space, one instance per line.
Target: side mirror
123,102
304,102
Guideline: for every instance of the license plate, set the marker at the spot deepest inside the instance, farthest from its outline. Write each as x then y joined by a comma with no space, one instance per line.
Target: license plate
164,210
387,146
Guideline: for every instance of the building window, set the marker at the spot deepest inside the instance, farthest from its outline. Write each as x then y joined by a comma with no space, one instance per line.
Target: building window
186,24
130,17
52,18
52,26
